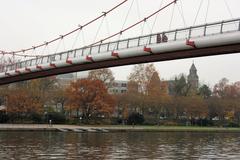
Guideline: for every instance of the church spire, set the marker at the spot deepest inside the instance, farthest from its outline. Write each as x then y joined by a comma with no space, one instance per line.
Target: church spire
193,69
193,77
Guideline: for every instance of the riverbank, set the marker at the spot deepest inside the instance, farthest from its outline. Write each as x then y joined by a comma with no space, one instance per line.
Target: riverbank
112,128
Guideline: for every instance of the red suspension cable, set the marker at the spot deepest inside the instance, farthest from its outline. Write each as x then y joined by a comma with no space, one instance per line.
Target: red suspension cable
128,28
104,14
62,36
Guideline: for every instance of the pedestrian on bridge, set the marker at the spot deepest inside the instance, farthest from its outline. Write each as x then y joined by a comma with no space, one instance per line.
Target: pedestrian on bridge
159,38
164,37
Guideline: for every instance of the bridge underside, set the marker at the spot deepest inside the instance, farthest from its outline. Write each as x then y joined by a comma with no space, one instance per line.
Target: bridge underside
228,49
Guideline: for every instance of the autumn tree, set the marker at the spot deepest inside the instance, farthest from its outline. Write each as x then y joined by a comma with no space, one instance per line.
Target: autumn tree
90,97
29,97
104,74
136,96
20,101
57,95
154,86
204,91
177,107
132,87
164,88
219,88
237,87
181,88
237,112
132,100
232,90
216,108
127,104
153,98
142,74
3,93
195,107
41,89
126,101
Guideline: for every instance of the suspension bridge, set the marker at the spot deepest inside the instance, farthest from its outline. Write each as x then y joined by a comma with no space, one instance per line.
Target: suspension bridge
214,38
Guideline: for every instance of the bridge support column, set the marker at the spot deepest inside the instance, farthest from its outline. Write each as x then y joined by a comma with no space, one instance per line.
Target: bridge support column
17,71
115,54
39,67
146,49
52,65
190,43
27,69
7,74
69,61
89,58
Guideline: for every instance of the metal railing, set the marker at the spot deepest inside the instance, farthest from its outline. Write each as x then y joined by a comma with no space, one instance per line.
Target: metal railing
173,35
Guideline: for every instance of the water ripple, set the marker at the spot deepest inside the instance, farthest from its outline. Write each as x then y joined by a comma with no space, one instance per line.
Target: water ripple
140,145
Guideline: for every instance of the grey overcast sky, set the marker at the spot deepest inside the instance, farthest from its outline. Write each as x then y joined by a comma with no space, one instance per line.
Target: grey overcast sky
25,23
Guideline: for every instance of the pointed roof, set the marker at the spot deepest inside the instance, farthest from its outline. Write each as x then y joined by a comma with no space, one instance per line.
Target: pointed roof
193,68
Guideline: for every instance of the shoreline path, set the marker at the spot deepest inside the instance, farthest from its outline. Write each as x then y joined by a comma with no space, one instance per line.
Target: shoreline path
111,128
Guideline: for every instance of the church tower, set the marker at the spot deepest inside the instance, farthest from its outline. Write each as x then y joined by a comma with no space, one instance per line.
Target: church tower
193,78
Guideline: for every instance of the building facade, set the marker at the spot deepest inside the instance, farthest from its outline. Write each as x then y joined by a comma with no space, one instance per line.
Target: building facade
118,87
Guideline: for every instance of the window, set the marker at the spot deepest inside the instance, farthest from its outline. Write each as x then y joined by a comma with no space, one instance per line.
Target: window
124,84
123,91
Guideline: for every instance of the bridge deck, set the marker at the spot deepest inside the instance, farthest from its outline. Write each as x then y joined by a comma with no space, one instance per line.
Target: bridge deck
203,40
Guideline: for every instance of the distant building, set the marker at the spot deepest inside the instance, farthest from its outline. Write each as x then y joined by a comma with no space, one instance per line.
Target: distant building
82,74
118,87
65,76
192,78
64,80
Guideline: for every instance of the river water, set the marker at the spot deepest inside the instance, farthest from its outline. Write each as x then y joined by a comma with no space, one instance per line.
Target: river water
124,145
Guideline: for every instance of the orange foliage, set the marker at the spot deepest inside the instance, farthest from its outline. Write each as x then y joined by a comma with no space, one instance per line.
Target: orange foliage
21,100
29,96
132,87
164,87
90,97
142,74
154,87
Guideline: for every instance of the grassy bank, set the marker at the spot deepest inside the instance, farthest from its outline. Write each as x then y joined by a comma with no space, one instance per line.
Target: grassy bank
173,128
